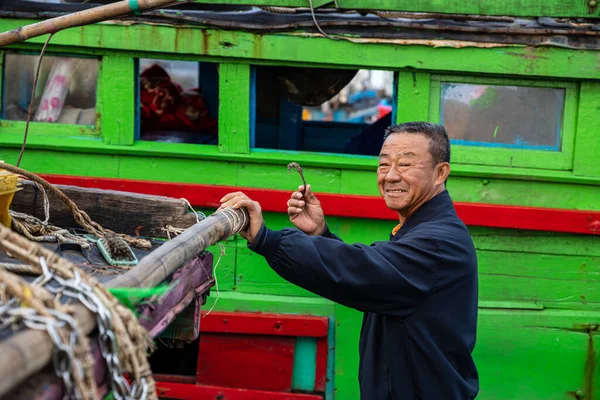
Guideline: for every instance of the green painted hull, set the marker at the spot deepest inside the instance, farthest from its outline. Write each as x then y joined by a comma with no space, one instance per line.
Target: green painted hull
539,291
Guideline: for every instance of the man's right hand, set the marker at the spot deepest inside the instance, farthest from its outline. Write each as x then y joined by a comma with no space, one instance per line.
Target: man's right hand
306,213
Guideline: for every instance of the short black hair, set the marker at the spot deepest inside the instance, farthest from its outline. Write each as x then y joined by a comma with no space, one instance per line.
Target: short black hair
440,144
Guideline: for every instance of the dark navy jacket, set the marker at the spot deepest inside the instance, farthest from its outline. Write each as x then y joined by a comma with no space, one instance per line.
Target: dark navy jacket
418,292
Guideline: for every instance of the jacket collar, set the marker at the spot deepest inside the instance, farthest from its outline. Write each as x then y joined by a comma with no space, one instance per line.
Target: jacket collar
426,212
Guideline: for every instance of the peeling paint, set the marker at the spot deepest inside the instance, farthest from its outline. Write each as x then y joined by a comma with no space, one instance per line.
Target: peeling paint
528,55
257,46
205,42
457,44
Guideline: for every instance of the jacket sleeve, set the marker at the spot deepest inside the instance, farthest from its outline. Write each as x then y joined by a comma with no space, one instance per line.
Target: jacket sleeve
328,234
390,278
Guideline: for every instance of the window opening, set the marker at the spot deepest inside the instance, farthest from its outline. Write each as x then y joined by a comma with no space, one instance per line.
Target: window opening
322,110
178,101
65,93
503,116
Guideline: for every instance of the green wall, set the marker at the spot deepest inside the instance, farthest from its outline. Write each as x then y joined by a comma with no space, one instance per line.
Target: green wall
539,292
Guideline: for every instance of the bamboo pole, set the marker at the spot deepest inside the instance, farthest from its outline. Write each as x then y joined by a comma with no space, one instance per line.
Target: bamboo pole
162,262
30,351
90,16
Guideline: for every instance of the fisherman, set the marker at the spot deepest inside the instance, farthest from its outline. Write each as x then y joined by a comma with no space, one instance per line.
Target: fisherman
418,291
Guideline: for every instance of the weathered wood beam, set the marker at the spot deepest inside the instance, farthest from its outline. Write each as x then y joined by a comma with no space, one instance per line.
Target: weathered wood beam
519,8
118,211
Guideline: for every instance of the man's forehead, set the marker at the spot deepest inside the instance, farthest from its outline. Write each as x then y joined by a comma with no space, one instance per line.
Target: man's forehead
405,145
397,154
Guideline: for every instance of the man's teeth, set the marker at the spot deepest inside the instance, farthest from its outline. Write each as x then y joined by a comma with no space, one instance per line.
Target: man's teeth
397,191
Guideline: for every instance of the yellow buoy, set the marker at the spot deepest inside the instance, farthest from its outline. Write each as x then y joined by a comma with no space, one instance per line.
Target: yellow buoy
9,184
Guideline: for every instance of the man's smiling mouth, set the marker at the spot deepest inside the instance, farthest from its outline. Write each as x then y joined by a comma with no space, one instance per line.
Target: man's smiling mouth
396,191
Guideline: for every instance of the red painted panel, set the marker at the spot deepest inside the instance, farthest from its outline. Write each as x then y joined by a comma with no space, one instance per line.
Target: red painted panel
246,361
174,378
265,324
321,368
499,216
200,392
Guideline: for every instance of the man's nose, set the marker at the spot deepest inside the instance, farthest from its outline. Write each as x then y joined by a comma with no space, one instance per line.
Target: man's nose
393,175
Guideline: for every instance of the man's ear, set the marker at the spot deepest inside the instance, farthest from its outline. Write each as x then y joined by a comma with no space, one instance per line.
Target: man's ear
442,172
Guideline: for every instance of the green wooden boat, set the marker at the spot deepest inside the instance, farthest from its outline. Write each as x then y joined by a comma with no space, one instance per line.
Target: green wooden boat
196,100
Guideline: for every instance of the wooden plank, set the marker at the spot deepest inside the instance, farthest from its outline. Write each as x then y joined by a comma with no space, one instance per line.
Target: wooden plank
180,391
246,361
121,212
543,354
236,301
234,108
48,129
194,43
277,177
75,163
529,242
117,122
253,275
509,276
180,169
265,324
348,324
535,8
321,364
413,96
587,145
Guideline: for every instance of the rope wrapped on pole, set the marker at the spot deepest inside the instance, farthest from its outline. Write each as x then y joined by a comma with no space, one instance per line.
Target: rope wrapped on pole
152,270
90,16
163,261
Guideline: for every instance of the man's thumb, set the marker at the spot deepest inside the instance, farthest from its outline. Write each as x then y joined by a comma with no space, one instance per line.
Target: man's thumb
309,195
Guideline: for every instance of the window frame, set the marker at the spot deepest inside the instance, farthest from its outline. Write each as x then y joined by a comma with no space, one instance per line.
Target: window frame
513,157
51,128
320,155
137,137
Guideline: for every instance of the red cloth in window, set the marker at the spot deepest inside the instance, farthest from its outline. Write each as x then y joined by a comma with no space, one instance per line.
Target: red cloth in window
164,105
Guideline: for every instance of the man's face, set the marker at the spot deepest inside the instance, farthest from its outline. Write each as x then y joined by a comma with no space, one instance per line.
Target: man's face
407,176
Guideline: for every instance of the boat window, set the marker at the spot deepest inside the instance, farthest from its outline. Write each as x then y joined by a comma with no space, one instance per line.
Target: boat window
503,116
322,110
178,101
65,92
507,122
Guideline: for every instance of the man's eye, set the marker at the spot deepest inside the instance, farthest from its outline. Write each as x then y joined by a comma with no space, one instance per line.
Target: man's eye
404,165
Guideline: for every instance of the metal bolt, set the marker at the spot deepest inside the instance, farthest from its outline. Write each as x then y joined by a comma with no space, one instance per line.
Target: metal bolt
593,3
579,394
485,182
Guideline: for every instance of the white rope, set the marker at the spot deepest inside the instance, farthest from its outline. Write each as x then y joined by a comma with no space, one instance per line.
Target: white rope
216,280
237,222
196,213
46,202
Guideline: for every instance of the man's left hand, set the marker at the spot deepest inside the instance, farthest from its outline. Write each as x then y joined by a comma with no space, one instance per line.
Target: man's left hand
239,199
